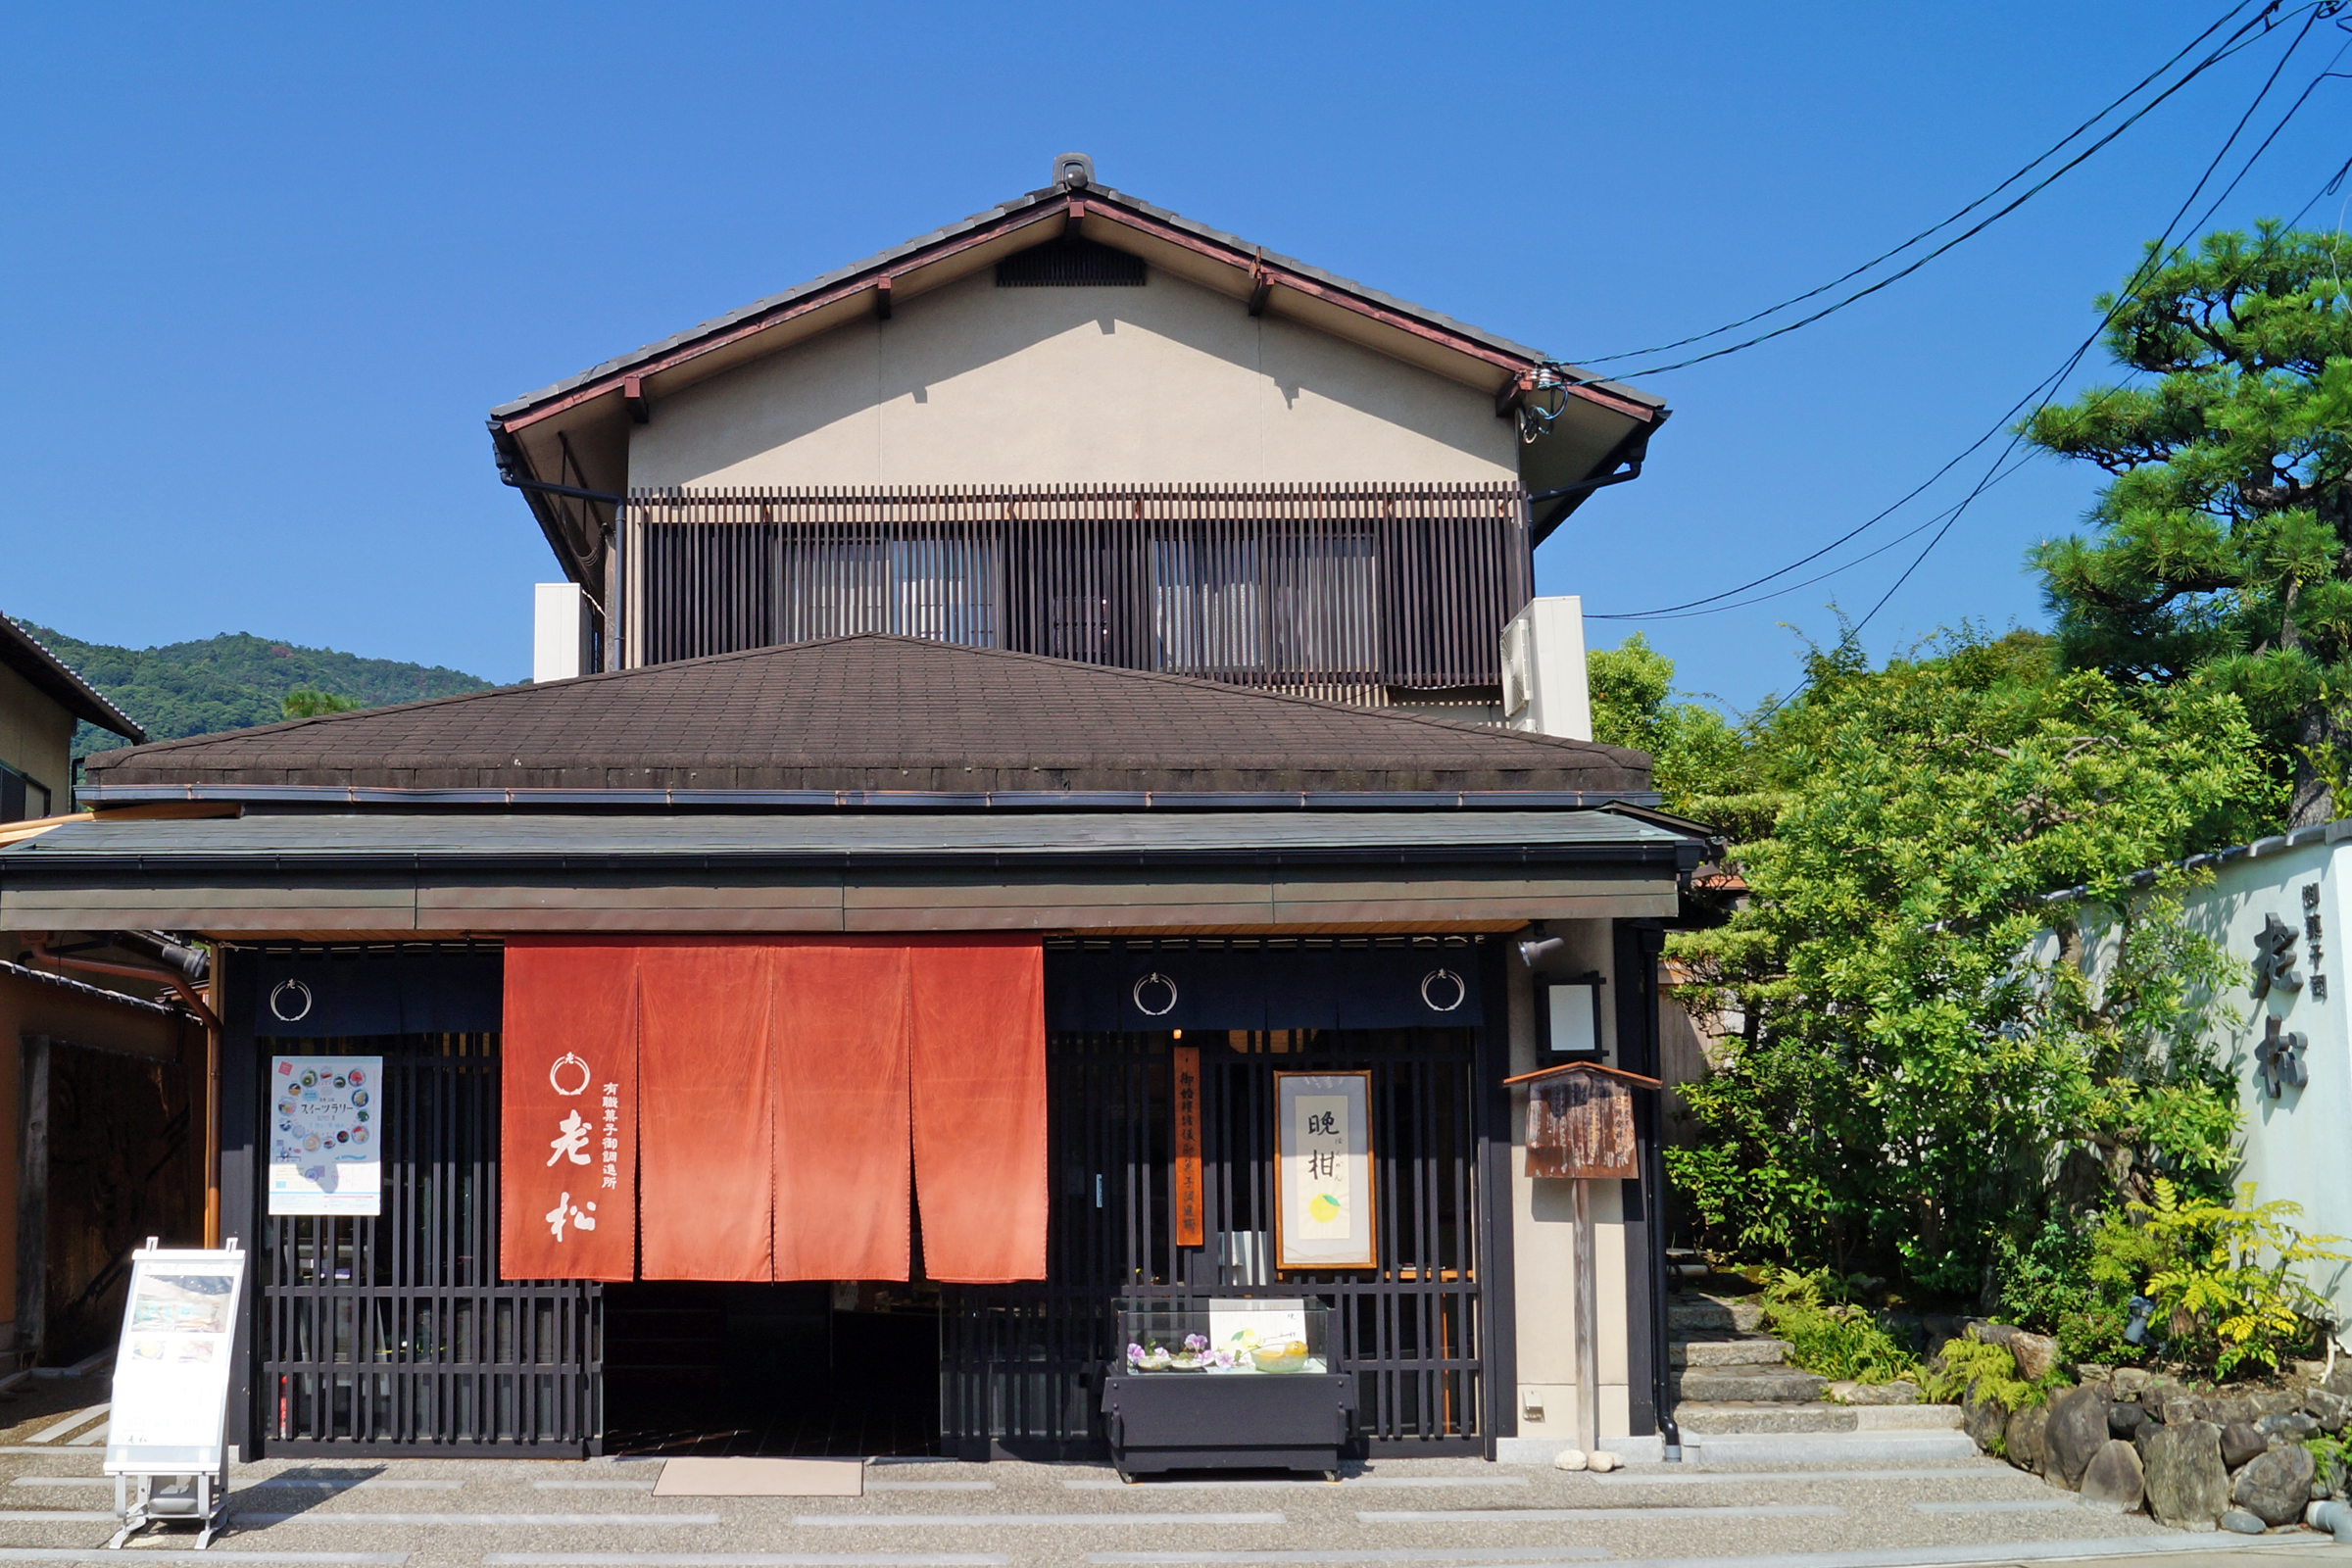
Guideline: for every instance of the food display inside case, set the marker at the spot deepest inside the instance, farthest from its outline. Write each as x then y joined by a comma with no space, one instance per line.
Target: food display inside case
1221,1336
1226,1382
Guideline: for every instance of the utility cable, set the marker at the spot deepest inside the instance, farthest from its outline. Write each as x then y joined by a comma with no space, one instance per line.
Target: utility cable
2139,278
2043,389
2028,168
2235,43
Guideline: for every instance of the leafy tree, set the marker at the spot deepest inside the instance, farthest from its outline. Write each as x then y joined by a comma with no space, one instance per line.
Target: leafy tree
303,703
1920,1070
2224,536
1699,758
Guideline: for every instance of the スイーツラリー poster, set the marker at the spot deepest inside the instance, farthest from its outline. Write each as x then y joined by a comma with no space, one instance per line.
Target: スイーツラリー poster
326,1127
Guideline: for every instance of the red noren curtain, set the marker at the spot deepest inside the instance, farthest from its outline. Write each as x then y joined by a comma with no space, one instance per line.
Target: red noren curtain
979,1028
840,1113
705,1059
568,1112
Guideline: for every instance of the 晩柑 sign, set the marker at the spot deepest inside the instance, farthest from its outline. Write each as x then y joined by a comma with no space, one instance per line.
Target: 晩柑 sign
1323,1203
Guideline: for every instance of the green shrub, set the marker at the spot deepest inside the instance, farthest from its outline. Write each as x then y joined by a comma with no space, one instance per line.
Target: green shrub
1990,1371
1831,1337
2073,1284
2333,1458
2219,1303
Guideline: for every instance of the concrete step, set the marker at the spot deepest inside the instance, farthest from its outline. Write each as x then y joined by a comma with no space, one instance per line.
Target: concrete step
1748,1385
1839,1449
1689,1309
1746,1349
1714,1417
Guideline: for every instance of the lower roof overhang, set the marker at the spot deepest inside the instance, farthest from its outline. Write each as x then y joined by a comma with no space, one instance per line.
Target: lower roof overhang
393,874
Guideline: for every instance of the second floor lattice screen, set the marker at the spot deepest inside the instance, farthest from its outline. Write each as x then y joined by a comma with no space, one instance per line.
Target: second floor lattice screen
1344,591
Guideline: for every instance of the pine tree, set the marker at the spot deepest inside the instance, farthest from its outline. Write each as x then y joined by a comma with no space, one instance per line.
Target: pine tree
2223,545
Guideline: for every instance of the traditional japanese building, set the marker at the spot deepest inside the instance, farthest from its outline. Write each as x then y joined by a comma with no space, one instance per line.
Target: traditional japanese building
1022,712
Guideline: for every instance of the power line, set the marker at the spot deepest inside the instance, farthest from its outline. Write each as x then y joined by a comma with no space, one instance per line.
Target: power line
2139,278
2235,43
2028,168
2043,390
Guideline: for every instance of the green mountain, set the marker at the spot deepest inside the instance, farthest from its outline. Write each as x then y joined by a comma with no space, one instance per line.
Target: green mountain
232,681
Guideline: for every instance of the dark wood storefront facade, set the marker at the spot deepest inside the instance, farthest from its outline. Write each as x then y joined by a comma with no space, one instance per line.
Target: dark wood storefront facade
396,1334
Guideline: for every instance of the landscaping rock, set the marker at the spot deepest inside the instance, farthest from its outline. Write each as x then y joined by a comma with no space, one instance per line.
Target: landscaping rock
2123,1420
1984,1333
1981,1419
2244,1523
2225,1411
2241,1443
2275,1485
2078,1429
2114,1478
2330,1410
2340,1381
2273,1402
1570,1460
2178,1408
2034,1355
2292,1427
2188,1484
2094,1372
2129,1380
2024,1442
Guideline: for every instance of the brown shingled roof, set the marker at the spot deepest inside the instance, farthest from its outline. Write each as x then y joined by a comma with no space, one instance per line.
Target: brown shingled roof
877,712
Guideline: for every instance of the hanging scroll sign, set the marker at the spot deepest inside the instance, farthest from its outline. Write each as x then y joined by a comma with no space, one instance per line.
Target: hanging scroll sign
1185,1190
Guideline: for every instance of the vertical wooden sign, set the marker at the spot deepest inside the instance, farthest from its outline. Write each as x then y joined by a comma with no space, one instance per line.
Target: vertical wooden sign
1186,1197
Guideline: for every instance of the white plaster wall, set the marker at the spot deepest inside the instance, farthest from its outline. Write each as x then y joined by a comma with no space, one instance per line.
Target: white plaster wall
1543,1246
974,384
2299,1146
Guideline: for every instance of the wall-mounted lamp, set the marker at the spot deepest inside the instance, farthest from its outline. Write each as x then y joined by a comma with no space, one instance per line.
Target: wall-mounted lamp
1534,947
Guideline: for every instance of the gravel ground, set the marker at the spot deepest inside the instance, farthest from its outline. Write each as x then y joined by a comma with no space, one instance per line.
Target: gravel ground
1437,1513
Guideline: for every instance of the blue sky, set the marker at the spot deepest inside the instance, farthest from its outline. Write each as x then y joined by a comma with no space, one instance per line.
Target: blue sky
266,270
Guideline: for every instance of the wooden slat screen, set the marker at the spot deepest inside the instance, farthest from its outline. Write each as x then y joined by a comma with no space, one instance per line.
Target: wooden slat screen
1338,591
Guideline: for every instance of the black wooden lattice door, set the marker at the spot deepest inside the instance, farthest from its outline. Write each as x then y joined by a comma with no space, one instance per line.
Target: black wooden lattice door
1021,1361
395,1334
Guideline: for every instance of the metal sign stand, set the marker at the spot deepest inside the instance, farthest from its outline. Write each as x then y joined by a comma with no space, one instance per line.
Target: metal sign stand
167,1443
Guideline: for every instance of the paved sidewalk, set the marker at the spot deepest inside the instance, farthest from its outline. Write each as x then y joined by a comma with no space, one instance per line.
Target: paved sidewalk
1877,1511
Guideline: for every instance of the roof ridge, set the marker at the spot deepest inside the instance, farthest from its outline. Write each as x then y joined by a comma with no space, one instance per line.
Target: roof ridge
120,755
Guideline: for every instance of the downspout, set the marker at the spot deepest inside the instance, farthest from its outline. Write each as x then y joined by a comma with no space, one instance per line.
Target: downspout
197,1005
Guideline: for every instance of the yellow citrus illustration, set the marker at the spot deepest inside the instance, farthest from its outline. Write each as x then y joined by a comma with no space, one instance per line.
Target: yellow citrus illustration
1323,1206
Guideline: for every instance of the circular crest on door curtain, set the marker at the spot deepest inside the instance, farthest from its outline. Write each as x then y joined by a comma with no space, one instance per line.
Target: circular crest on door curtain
1446,985
1156,986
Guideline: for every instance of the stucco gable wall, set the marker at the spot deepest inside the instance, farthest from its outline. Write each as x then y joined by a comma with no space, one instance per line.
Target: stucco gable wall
1170,382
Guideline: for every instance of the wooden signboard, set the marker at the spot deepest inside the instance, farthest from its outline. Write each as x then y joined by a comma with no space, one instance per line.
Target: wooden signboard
1580,1123
1187,1104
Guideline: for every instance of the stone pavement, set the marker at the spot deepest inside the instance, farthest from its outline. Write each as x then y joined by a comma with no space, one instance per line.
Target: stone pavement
1868,1512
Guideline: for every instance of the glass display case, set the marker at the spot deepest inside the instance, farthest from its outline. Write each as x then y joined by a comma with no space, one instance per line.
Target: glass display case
1216,1337
1219,1383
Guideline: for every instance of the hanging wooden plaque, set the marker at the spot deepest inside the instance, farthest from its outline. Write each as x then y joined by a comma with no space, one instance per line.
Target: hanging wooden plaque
1185,1190
1581,1124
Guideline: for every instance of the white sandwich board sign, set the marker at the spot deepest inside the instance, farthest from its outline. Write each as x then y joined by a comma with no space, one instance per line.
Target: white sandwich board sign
171,1392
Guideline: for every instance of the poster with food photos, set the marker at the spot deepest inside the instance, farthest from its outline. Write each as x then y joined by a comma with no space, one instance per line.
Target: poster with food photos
326,1124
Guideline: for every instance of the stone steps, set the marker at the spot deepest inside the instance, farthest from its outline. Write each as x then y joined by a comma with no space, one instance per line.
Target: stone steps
1746,1349
1728,1417
1689,1311
1748,1385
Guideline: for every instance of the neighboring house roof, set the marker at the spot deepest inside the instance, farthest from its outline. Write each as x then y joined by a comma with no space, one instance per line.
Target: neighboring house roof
23,653
898,715
573,432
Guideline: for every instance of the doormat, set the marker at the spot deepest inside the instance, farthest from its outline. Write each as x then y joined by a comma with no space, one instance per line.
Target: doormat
761,1478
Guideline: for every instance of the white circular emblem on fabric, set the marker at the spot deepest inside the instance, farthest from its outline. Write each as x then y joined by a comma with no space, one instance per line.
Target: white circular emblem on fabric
556,1082
1441,978
288,990
1155,978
